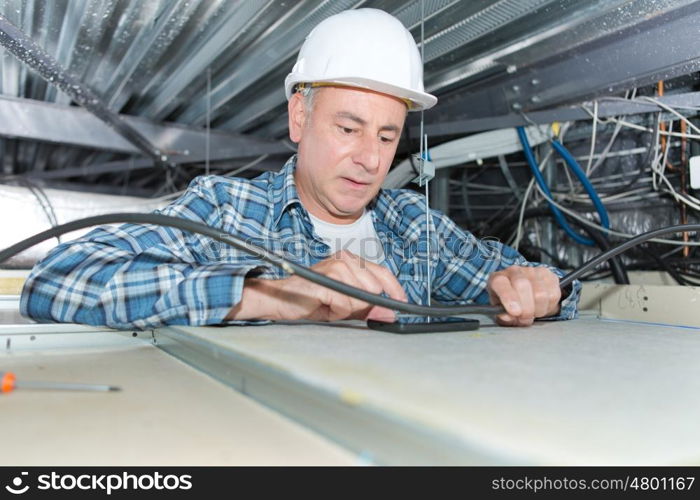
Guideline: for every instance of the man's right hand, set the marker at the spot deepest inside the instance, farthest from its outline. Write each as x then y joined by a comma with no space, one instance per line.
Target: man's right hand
296,298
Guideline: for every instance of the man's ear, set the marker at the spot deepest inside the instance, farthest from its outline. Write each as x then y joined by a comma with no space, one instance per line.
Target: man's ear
297,115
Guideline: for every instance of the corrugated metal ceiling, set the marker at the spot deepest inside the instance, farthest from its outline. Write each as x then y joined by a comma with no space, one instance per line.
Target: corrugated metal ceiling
223,62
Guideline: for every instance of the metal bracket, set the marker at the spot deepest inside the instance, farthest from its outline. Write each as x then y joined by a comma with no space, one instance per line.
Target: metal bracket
427,171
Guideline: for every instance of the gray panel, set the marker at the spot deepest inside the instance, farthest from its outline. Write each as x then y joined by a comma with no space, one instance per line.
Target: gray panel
375,435
581,392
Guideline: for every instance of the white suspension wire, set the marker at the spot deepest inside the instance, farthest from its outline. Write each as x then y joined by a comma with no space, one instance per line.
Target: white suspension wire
428,217
519,227
208,131
593,137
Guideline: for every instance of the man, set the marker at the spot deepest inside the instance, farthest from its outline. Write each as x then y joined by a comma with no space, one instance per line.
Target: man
356,76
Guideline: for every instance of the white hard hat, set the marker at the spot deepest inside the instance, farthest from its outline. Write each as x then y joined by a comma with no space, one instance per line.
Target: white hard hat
365,48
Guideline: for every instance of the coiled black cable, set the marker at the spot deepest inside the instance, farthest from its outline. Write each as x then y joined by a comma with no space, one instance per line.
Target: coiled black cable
305,272
266,255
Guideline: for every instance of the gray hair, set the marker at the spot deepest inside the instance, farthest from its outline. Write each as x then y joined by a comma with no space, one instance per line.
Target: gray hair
309,94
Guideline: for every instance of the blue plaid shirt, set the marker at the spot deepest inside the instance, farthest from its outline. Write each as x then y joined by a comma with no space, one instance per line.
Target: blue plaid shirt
144,276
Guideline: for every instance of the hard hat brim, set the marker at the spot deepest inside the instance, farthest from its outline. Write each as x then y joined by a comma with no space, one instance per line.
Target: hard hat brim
419,100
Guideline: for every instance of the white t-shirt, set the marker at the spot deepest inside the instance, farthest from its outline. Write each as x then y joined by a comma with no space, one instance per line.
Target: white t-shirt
358,237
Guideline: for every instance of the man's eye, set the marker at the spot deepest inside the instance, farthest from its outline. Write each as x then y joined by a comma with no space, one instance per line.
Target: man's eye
346,130
386,140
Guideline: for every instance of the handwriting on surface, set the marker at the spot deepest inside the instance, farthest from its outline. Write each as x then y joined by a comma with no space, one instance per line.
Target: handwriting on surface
633,298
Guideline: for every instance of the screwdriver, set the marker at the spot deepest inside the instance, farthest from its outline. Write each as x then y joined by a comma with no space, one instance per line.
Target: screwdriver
8,383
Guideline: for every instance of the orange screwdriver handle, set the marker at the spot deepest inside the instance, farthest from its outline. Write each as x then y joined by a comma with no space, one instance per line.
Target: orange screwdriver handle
7,382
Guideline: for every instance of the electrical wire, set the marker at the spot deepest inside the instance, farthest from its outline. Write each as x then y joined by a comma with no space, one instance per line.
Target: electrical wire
517,235
623,247
610,231
616,131
580,174
666,267
245,167
519,228
41,197
616,266
263,254
618,269
670,110
640,127
604,154
593,137
528,248
623,99
310,275
647,158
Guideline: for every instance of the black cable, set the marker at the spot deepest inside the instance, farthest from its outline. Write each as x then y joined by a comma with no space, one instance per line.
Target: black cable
616,266
665,266
526,247
686,274
693,273
591,264
266,255
320,279
596,275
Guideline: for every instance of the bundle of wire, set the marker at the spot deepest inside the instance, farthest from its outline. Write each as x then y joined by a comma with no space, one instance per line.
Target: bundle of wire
630,186
307,273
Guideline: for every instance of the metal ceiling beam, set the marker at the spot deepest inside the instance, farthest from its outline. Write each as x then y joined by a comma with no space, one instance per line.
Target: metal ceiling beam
133,165
494,39
606,107
35,120
34,56
115,189
659,47
545,31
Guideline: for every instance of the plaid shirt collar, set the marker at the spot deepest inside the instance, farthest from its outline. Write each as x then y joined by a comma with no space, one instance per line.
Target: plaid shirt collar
282,190
387,212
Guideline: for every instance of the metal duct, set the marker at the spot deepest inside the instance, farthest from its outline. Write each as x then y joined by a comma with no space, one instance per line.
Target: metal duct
23,216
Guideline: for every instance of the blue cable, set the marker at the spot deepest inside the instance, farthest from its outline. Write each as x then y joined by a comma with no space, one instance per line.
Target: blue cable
579,173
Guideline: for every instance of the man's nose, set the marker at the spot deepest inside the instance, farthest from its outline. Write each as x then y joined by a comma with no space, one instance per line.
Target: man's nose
368,153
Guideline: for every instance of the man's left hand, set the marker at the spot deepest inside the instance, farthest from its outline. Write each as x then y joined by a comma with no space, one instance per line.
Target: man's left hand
525,293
